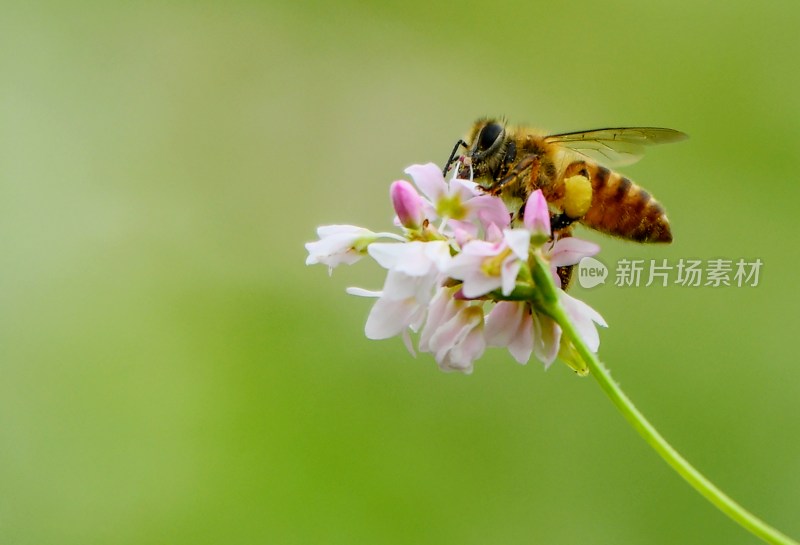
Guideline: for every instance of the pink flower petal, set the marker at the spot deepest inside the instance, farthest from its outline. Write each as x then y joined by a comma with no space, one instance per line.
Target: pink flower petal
482,248
490,210
569,251
407,204
460,340
428,178
536,216
521,344
463,189
502,322
460,358
464,233
494,233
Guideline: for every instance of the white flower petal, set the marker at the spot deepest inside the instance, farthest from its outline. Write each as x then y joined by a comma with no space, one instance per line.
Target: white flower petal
333,250
389,317
478,284
407,342
519,241
547,337
387,254
399,286
438,252
584,317
509,275
360,292
324,231
462,266
408,258
441,308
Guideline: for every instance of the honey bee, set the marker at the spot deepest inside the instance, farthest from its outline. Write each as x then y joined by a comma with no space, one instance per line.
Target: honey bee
514,161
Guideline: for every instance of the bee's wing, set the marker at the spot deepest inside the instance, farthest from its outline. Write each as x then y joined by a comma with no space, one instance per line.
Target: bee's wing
617,146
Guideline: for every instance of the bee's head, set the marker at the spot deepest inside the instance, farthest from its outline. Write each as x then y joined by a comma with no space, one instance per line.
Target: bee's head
485,149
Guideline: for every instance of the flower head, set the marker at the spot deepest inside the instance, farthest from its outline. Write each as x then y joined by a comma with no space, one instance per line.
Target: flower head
458,201
469,281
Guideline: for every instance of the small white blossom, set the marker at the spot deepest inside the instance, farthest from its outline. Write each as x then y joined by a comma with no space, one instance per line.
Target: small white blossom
487,266
457,342
339,244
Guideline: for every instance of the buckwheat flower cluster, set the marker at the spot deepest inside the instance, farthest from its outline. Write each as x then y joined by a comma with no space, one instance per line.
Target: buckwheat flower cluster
461,276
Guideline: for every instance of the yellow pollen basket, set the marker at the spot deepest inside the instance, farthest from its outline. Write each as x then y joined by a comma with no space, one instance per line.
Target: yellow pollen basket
577,196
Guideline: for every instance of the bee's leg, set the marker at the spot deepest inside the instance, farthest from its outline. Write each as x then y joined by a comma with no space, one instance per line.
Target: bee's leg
528,164
565,275
561,220
533,175
564,272
452,158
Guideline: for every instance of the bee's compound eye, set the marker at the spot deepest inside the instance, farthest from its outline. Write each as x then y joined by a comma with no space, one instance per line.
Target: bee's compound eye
489,134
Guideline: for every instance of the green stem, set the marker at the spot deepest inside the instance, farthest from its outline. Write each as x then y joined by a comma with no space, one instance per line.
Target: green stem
700,483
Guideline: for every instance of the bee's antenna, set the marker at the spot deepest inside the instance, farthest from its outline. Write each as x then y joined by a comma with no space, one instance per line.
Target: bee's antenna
452,158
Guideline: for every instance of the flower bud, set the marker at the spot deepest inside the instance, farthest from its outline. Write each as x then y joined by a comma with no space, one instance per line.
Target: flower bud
407,203
537,217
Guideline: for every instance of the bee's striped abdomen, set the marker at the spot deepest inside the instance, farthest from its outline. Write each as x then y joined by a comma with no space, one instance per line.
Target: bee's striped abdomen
622,208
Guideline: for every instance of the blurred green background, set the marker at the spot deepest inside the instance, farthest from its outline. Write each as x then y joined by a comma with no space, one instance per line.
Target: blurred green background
173,373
